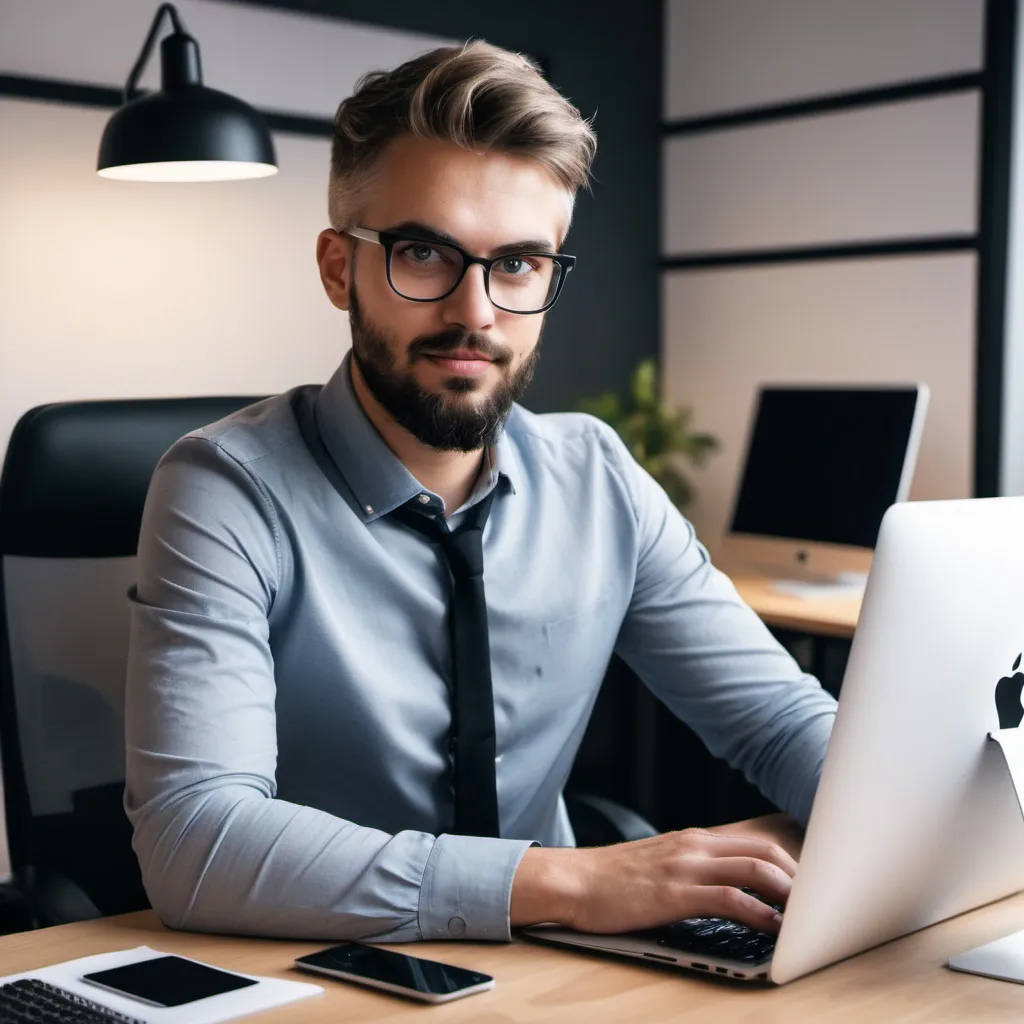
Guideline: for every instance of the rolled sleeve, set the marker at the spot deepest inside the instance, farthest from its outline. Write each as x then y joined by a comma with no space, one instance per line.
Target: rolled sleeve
467,887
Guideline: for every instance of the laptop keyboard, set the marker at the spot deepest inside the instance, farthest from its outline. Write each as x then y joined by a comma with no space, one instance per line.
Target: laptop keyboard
714,937
30,1001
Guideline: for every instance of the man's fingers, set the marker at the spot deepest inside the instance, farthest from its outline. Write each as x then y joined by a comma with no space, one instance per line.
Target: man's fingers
729,902
768,880
717,845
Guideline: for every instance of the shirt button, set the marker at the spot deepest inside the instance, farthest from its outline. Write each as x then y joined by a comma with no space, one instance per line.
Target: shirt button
457,926
424,499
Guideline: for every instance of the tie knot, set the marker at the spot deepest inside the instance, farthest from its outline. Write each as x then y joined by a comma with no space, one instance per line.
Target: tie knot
463,548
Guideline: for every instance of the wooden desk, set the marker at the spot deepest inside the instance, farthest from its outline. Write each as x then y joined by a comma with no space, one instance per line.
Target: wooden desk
901,981
836,616
904,980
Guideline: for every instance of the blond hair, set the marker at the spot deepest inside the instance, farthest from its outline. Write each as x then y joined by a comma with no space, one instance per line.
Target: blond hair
477,96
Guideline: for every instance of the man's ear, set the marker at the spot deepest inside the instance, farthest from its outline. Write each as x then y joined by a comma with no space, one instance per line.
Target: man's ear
334,257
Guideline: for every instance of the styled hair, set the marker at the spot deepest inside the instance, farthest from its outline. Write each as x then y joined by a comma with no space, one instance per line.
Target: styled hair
477,96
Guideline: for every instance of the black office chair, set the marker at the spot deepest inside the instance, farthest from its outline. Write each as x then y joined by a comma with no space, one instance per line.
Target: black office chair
71,498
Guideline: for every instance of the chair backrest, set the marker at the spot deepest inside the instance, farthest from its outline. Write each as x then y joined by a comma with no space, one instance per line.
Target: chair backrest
71,497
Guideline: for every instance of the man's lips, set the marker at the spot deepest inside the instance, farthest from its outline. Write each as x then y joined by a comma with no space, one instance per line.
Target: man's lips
461,363
461,355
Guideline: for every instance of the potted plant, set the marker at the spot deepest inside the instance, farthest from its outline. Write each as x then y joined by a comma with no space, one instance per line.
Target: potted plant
660,437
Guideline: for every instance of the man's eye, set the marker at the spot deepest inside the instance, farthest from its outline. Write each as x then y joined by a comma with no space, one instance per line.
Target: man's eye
420,253
515,265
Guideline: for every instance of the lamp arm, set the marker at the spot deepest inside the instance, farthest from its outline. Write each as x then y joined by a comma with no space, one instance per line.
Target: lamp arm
131,87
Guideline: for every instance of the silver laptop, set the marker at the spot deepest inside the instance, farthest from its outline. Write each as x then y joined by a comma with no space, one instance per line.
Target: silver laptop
915,819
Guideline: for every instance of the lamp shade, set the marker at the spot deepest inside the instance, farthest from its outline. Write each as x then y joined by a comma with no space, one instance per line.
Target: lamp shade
185,131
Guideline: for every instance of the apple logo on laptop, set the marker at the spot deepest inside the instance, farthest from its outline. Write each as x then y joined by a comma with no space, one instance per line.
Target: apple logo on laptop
1008,691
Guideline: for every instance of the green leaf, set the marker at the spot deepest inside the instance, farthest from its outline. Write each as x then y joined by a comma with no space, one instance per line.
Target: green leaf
645,385
607,407
660,438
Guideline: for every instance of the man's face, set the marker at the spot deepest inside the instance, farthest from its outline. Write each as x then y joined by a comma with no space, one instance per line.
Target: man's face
448,371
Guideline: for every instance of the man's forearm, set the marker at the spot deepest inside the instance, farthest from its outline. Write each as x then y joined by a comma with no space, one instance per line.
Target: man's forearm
229,859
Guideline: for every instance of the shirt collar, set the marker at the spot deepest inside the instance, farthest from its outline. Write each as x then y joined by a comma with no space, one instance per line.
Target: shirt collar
378,478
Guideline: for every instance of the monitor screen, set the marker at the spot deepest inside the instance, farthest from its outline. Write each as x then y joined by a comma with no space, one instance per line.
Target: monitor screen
824,464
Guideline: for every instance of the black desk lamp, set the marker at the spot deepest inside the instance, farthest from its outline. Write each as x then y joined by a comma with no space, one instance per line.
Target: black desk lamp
185,131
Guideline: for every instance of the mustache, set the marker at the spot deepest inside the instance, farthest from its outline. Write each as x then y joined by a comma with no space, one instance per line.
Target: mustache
455,341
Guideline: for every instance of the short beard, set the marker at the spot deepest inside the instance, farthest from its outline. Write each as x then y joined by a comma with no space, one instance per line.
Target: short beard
446,421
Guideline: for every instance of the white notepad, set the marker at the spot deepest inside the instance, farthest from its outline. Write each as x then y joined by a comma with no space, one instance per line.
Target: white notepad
1002,959
265,995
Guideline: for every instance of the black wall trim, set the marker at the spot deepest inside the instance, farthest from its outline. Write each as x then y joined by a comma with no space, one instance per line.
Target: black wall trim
85,95
993,226
920,89
56,91
847,251
296,124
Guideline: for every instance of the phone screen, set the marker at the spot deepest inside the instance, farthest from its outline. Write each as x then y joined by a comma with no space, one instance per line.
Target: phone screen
168,980
428,977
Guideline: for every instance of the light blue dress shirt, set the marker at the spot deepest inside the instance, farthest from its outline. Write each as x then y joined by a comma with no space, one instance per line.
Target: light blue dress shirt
287,714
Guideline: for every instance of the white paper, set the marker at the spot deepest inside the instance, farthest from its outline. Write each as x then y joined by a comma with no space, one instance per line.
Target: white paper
846,584
268,993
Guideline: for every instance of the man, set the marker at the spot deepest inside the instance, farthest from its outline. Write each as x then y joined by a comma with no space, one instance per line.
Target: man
329,735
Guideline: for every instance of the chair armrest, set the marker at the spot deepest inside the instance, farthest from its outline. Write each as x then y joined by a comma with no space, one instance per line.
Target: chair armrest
14,916
53,898
598,821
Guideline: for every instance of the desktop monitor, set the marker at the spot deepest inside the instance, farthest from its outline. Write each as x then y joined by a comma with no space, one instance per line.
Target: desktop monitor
822,466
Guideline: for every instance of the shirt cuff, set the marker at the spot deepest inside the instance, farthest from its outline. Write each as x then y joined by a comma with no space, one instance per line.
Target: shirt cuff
467,887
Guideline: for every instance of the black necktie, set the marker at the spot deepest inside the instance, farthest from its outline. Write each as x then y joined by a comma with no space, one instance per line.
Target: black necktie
472,736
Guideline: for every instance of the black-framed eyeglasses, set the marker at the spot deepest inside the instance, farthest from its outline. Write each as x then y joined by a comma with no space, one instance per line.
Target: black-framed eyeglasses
423,270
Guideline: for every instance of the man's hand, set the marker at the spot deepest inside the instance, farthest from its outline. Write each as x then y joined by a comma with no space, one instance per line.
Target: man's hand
651,882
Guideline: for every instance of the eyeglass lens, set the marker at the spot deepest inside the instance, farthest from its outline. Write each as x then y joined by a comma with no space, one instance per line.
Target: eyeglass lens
429,271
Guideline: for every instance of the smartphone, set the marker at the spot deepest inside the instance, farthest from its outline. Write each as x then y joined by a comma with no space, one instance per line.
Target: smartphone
404,975
168,981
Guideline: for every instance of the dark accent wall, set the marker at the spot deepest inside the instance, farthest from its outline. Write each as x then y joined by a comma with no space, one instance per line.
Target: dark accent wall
606,59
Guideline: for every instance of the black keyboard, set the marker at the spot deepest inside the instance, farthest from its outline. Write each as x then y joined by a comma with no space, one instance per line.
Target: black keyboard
30,1001
718,937
714,937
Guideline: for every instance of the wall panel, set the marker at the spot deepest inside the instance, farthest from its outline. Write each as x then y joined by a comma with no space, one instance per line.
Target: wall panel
897,171
723,55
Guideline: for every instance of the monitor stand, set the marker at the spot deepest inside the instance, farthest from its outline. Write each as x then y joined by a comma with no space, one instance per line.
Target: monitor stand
844,584
1004,958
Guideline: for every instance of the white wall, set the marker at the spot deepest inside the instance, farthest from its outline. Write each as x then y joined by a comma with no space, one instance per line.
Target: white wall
275,60
906,169
113,289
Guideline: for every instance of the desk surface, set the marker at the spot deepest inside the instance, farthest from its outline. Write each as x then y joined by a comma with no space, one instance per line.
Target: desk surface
833,616
902,981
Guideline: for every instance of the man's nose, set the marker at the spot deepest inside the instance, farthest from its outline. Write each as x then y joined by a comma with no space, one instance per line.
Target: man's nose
468,306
